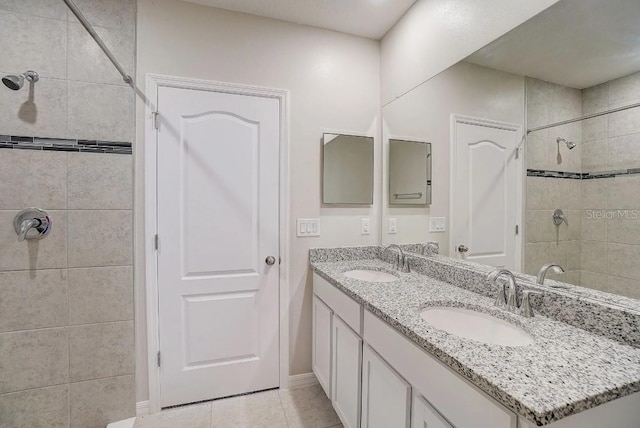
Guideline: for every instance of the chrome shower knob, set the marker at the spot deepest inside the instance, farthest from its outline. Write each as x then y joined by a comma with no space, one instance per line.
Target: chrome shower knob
32,223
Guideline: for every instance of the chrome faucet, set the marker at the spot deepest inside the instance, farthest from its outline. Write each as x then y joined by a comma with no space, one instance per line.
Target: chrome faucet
401,262
32,223
510,299
556,268
432,246
505,298
26,226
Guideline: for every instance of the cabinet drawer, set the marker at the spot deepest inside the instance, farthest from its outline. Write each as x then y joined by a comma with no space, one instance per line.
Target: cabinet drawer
463,404
344,306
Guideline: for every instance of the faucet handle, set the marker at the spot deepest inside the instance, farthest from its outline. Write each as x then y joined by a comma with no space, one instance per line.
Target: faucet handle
525,308
405,264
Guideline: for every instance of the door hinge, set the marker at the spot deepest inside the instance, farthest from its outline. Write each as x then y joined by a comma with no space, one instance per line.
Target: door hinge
155,241
517,229
517,152
156,121
158,359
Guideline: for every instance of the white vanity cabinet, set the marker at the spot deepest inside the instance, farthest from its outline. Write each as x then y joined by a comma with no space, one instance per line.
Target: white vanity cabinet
321,347
386,397
345,379
425,416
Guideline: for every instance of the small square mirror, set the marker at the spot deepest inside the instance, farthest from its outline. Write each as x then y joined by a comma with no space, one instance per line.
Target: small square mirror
347,169
409,172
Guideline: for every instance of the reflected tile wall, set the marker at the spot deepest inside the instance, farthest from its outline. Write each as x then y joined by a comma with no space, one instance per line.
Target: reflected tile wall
66,330
601,244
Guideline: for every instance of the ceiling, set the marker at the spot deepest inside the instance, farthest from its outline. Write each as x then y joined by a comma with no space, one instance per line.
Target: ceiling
366,18
576,43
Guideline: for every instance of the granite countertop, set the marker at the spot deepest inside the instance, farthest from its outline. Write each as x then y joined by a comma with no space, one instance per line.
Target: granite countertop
567,369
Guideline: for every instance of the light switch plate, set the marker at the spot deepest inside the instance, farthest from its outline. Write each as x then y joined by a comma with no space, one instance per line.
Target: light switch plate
437,224
365,226
393,225
308,227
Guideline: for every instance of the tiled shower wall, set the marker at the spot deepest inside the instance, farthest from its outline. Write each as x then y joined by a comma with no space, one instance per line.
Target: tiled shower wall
548,103
611,225
66,302
601,245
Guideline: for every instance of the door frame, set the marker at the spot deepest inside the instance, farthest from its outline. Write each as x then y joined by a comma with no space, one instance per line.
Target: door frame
153,83
517,128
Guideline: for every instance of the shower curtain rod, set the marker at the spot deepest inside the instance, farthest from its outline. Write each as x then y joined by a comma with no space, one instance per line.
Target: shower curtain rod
589,116
127,79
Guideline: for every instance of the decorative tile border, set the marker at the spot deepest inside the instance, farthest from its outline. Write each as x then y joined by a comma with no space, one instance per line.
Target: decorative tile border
581,175
64,145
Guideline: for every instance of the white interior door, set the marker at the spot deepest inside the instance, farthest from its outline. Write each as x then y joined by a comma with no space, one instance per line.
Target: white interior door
486,192
217,181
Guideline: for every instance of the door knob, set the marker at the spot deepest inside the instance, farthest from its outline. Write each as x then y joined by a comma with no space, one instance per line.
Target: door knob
463,248
270,260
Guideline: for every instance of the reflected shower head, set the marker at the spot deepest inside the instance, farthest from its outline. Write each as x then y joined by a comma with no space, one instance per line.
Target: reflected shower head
570,144
14,82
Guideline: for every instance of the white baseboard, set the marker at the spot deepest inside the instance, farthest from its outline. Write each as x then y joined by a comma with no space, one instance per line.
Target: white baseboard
302,380
142,408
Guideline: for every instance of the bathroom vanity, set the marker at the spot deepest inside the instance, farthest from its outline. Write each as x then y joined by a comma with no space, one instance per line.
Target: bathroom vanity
383,365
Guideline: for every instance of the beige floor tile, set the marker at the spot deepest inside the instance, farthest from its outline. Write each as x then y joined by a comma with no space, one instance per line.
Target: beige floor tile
195,416
308,408
262,409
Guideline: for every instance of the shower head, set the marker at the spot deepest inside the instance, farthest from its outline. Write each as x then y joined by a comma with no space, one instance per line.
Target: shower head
570,144
15,82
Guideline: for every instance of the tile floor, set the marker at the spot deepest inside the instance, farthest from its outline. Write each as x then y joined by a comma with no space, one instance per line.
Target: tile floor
297,408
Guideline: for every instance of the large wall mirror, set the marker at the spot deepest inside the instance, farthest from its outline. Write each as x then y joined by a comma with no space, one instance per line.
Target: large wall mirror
537,142
347,173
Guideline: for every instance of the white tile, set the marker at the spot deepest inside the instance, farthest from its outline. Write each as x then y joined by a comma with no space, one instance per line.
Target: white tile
47,172
308,408
623,122
594,156
110,244
100,181
100,294
594,256
118,14
623,152
54,9
194,416
87,63
33,359
595,98
623,192
625,90
262,409
96,403
42,407
623,260
33,299
101,350
36,44
100,112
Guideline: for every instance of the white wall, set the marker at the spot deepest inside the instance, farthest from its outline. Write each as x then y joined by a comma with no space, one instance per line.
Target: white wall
435,34
333,81
424,114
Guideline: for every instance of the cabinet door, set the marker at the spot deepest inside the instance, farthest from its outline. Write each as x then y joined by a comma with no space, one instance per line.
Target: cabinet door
386,397
321,352
425,416
345,381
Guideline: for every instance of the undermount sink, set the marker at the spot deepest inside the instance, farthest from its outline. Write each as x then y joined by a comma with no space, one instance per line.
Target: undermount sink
479,326
371,275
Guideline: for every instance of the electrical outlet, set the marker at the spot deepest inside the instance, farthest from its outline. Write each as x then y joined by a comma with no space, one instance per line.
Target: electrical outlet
308,227
437,224
393,225
365,226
